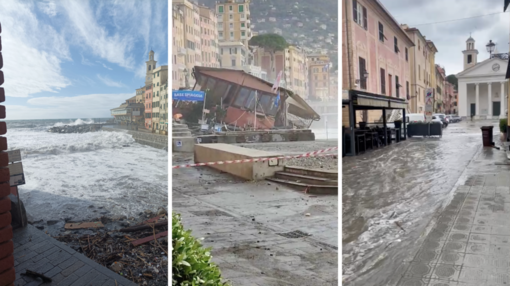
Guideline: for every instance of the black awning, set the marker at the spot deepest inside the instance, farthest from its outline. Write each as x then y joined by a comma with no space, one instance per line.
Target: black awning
366,100
506,5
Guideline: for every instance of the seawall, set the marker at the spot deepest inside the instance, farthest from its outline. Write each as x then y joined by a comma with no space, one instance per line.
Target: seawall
144,138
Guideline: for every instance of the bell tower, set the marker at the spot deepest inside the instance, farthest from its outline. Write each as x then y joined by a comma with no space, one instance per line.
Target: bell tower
470,53
150,66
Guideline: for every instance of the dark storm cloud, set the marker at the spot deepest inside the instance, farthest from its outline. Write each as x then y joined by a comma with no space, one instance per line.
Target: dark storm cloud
434,19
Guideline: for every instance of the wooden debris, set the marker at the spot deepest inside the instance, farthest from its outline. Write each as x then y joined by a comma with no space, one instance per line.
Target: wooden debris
80,225
144,226
149,238
37,275
154,219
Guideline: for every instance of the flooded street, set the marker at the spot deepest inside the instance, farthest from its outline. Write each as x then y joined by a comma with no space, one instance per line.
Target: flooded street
392,197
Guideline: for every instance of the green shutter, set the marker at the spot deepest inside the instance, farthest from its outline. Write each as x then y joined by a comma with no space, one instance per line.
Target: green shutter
242,25
220,9
241,8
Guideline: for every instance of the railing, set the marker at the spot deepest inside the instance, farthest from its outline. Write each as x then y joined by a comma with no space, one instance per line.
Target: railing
503,56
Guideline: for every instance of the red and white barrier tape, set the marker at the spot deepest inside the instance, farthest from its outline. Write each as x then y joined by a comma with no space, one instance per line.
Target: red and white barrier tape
310,154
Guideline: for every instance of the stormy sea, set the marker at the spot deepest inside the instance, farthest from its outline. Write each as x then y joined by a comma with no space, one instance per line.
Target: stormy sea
83,176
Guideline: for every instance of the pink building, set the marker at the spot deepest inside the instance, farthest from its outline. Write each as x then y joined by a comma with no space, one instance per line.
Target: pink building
209,37
375,50
450,98
148,107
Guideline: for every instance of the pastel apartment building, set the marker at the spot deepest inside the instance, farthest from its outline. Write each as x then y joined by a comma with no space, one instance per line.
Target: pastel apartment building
179,51
209,37
234,22
159,79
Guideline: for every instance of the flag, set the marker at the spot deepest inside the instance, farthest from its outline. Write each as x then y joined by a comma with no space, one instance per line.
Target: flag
277,100
277,82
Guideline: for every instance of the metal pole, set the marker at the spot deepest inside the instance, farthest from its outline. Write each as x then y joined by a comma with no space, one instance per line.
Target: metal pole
326,126
255,113
203,106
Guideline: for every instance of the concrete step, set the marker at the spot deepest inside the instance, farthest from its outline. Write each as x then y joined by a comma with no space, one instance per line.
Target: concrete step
332,175
311,189
179,125
183,144
180,129
310,180
181,133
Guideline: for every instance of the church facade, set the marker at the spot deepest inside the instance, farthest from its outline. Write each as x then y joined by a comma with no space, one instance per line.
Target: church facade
482,87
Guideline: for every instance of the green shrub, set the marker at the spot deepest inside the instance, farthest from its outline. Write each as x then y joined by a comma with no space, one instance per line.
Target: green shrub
191,263
503,123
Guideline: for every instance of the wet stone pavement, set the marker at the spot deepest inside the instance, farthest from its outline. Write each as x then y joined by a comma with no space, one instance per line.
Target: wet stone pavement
36,251
470,242
259,231
395,197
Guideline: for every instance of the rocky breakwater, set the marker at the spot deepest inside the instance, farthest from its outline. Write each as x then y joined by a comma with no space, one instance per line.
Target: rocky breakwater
83,128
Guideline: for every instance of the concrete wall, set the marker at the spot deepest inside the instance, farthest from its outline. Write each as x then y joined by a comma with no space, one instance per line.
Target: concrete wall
226,152
149,139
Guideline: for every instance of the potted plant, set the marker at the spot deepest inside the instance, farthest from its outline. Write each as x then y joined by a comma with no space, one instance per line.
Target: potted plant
503,123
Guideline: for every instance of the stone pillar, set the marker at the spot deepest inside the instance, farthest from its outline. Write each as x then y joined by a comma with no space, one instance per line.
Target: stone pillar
462,101
503,101
477,109
7,273
489,115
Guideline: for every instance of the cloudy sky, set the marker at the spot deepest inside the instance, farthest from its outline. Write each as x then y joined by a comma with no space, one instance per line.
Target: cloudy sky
448,33
77,58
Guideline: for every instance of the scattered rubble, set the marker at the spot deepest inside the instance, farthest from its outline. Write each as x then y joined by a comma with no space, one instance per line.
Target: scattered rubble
133,248
325,163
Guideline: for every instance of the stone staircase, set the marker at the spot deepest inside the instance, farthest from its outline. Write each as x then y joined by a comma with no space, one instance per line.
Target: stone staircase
182,139
312,181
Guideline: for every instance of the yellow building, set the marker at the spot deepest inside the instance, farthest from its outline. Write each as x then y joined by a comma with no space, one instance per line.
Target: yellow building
234,23
438,99
296,71
159,79
140,95
179,52
163,108
191,39
318,76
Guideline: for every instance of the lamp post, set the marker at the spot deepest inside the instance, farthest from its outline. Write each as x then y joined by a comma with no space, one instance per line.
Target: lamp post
490,48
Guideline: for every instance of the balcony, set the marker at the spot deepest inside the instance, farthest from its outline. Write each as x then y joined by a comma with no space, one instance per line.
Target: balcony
181,51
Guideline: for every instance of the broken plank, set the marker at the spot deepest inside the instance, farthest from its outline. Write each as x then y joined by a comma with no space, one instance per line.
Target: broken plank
80,225
149,238
145,226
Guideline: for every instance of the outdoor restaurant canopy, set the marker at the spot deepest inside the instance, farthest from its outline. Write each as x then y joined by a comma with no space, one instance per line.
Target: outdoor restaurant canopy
297,105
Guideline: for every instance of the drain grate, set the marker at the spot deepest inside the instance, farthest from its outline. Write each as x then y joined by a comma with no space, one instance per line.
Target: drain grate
210,213
294,234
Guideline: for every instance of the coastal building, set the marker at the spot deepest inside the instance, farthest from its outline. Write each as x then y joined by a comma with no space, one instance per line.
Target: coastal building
209,37
417,56
432,76
140,92
450,98
440,92
482,87
179,51
148,107
160,78
318,76
191,38
375,61
163,108
128,113
234,23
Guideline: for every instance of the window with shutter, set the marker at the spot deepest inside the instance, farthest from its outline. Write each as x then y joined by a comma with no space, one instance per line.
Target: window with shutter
383,81
362,69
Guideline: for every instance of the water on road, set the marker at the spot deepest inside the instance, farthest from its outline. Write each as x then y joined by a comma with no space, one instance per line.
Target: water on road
391,196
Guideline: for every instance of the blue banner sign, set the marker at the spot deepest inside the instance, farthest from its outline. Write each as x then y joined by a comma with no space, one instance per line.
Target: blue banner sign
188,95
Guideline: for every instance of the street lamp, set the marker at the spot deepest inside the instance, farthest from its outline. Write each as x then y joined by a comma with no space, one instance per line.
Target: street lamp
365,74
490,47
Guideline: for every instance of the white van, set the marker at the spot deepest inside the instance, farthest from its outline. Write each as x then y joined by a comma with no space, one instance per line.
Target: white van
415,117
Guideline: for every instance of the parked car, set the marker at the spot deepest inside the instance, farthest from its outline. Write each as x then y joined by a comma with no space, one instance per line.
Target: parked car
457,118
438,119
442,117
453,118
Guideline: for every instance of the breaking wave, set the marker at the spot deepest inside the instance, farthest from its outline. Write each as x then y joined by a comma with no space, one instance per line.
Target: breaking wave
33,142
73,123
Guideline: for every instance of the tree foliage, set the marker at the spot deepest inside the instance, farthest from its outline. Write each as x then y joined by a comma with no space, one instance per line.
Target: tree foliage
191,262
270,42
453,80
